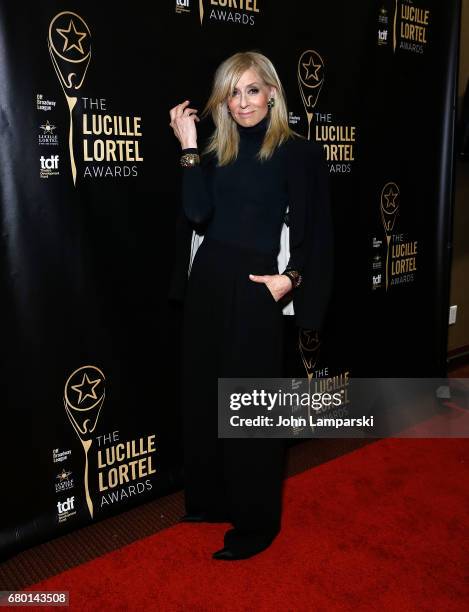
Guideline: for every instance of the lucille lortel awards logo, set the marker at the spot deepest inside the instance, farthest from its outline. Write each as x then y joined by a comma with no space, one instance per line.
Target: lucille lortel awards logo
410,26
84,395
401,253
238,12
117,468
108,143
338,139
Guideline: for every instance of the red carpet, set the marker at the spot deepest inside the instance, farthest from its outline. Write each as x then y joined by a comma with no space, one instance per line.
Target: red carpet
383,528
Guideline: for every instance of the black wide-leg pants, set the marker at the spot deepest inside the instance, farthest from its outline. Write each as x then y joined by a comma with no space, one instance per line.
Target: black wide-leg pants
232,328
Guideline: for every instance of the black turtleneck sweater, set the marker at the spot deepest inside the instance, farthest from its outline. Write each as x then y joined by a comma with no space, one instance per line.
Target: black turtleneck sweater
244,202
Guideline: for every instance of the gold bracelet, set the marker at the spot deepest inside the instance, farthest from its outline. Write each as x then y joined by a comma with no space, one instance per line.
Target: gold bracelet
189,160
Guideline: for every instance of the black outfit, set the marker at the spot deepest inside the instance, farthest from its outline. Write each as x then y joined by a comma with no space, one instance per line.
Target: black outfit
232,325
245,201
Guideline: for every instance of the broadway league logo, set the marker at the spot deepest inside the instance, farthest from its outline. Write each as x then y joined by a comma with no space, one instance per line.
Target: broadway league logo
389,209
83,399
69,45
310,81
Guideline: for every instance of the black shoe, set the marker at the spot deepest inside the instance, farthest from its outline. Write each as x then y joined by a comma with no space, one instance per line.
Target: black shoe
191,518
242,545
227,554
203,517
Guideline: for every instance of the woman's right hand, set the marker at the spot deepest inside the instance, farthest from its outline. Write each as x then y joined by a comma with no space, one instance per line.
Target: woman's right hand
183,121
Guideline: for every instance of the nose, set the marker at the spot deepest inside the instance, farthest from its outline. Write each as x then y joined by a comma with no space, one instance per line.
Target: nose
243,101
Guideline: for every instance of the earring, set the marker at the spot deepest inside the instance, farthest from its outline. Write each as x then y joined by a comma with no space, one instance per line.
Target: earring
271,102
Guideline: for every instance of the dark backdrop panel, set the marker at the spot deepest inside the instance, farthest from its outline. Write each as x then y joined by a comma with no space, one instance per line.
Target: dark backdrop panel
91,342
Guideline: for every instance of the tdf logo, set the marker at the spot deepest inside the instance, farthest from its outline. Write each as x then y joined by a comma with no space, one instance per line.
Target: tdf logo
66,506
182,6
49,163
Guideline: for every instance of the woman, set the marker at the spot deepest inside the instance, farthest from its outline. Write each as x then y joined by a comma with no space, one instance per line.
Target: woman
237,193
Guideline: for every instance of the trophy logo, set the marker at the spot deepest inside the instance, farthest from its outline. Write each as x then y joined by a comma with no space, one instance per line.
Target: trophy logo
201,11
389,208
69,43
83,399
394,29
310,81
309,344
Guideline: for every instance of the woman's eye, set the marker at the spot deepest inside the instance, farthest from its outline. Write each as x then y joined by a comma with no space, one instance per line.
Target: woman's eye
254,90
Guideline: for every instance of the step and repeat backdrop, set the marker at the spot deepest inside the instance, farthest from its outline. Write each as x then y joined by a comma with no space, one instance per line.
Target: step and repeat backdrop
90,202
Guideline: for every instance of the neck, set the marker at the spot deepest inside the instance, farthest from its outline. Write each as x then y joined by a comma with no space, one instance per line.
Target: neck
258,128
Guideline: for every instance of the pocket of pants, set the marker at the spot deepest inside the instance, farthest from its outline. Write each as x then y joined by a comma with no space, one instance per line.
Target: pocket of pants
269,293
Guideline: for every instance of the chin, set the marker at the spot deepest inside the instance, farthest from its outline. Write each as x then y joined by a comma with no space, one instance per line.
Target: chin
248,119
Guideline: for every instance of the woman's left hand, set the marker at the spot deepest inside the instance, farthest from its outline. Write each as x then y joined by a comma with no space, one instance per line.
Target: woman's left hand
278,284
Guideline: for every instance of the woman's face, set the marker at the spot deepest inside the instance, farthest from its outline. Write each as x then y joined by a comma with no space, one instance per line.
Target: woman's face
248,101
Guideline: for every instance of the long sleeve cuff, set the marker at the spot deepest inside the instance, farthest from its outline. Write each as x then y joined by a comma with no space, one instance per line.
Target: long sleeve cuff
294,276
196,191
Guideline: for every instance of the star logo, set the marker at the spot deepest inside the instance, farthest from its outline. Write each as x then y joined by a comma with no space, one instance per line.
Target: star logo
389,207
76,37
390,197
312,69
86,388
48,128
63,475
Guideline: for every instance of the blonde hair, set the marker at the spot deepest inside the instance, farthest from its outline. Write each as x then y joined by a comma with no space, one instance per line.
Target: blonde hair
224,141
